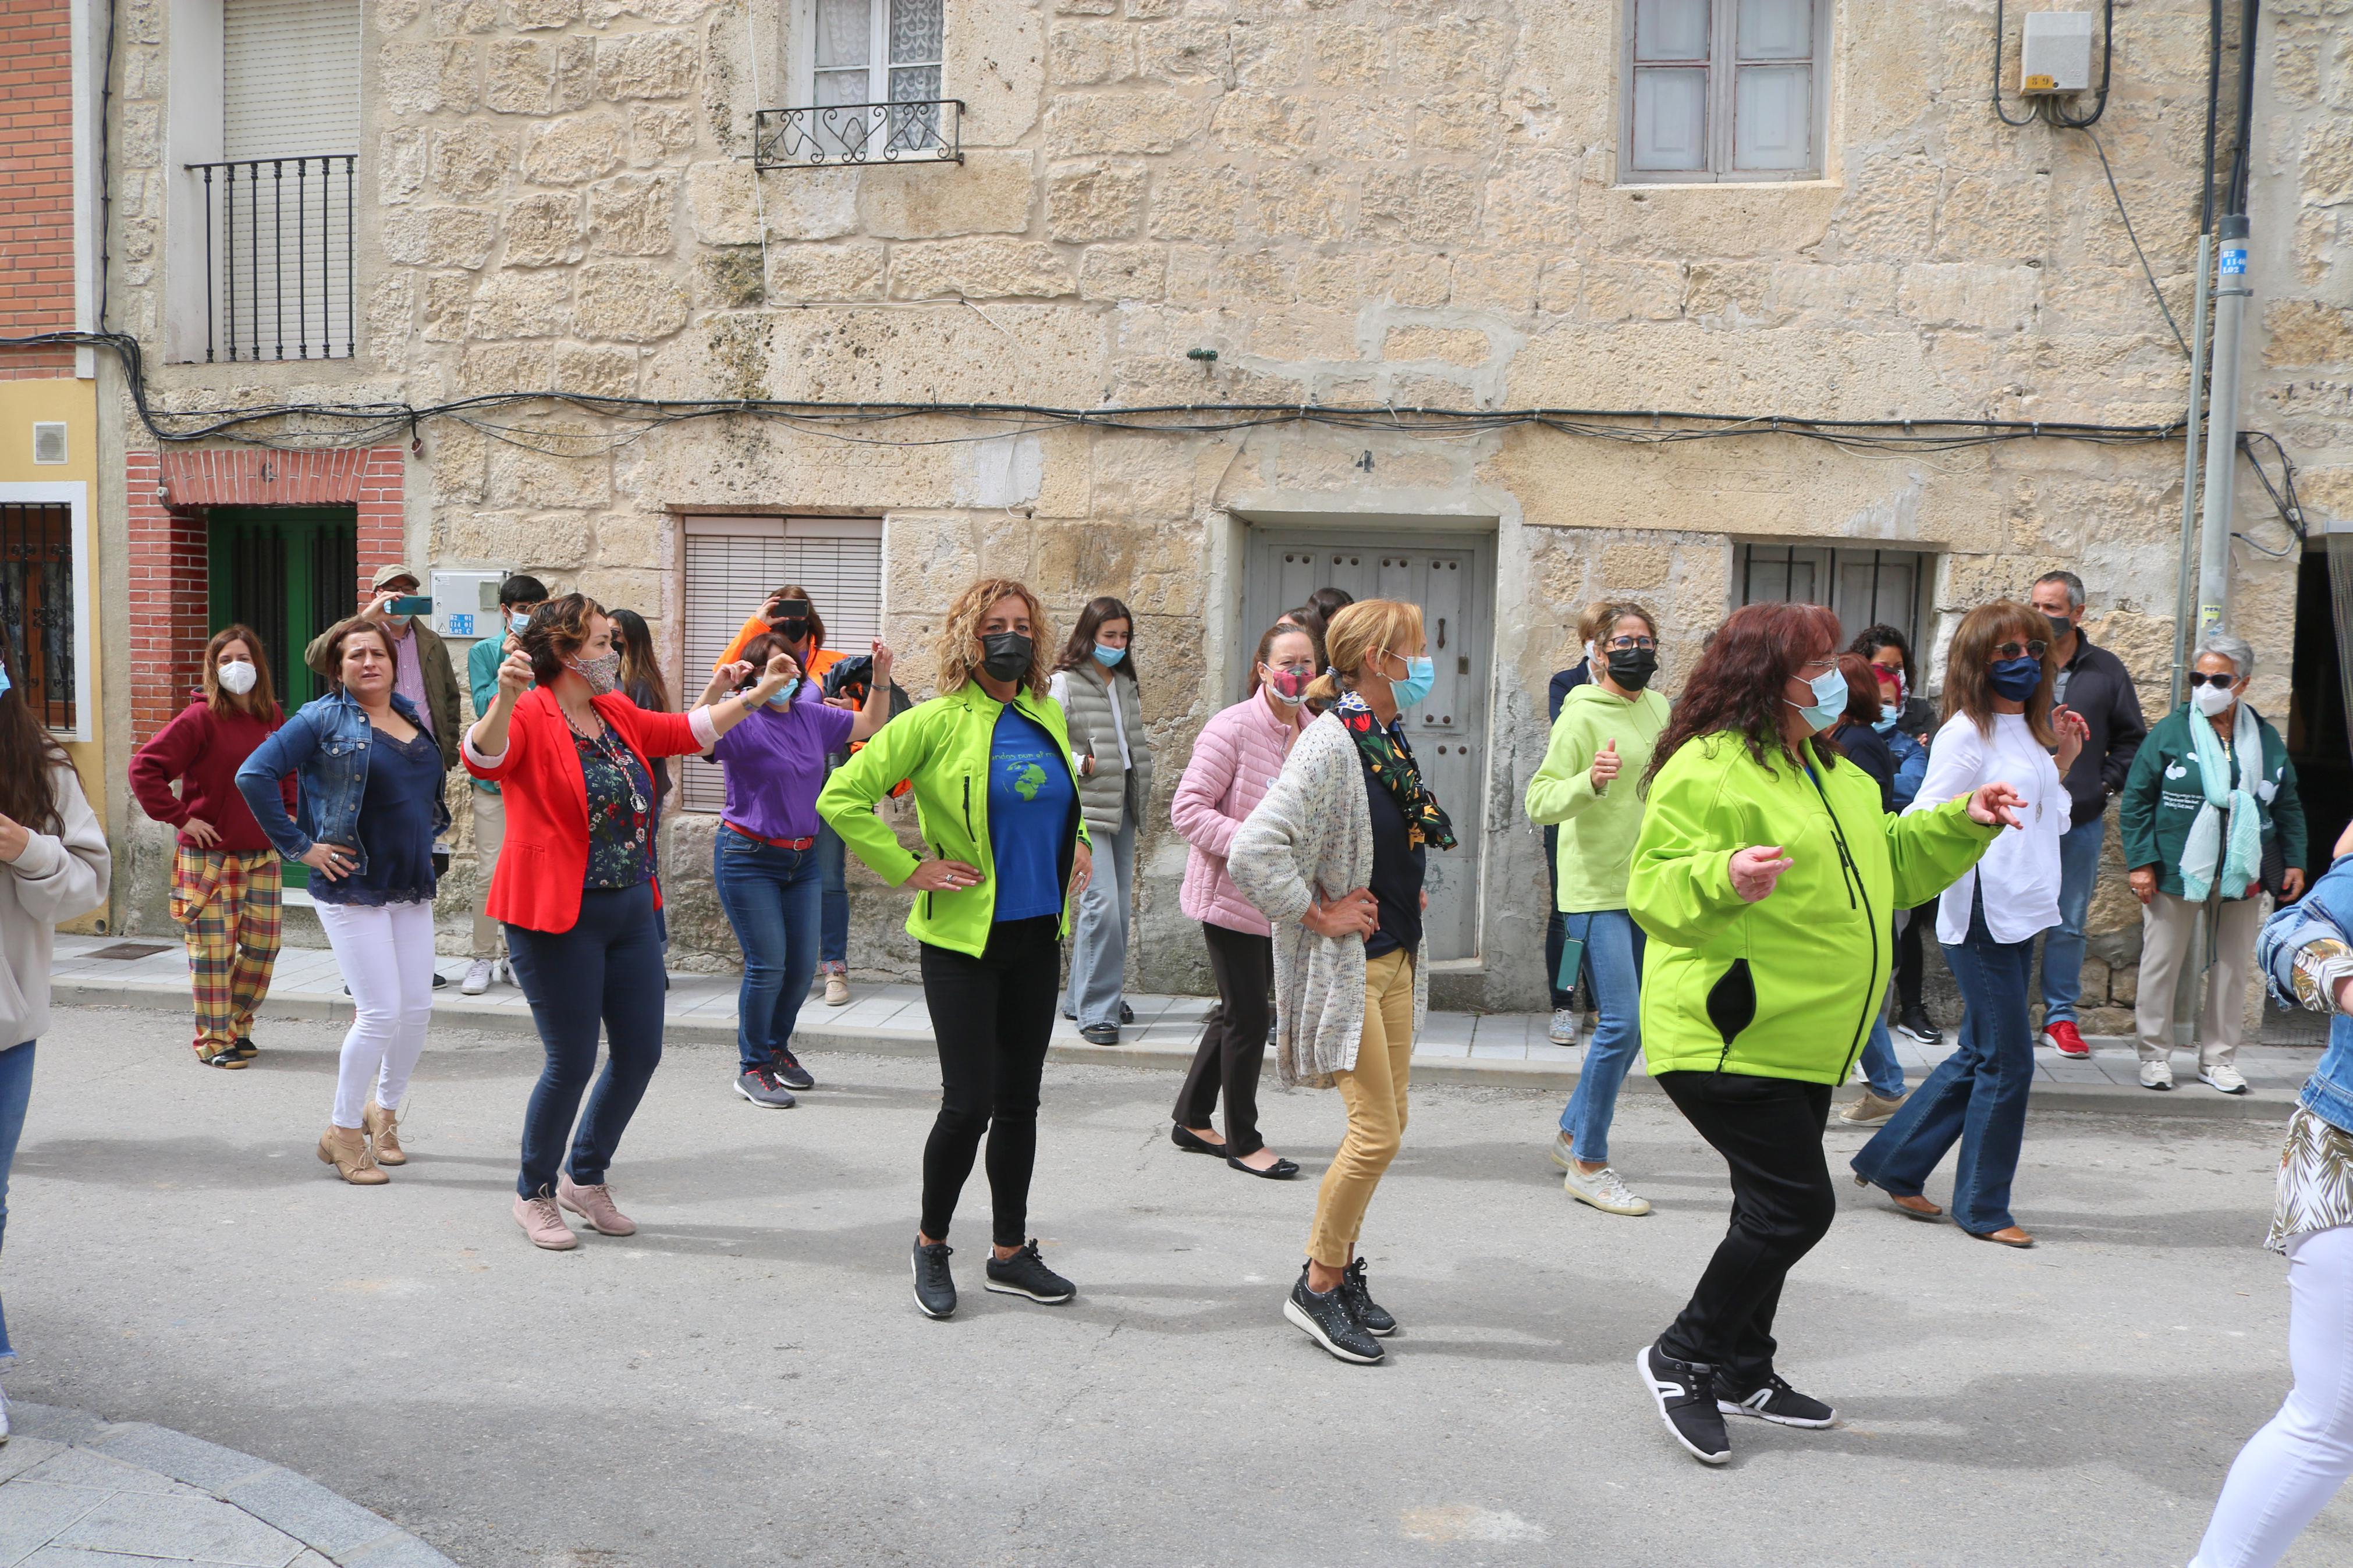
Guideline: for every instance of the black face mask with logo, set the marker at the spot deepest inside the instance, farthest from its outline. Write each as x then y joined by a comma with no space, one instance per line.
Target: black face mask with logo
1005,655
1632,667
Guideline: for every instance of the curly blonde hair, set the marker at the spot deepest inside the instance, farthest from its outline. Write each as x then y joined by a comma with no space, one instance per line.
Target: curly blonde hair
960,649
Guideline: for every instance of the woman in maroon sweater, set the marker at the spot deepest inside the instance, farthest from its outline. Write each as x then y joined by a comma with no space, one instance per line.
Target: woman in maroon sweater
224,886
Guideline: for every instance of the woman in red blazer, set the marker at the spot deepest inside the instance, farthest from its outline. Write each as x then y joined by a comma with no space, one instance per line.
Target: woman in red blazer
575,890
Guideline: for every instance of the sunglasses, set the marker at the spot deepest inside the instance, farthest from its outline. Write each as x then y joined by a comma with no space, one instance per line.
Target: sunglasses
2021,649
2221,678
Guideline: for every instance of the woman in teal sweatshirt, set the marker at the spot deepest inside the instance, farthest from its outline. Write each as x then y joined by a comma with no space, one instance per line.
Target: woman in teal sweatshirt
1589,785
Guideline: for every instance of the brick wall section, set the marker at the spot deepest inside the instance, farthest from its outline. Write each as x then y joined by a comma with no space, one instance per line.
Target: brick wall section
168,586
37,255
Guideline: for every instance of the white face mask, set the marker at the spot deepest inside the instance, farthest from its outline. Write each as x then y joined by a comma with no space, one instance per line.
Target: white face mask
2213,701
237,677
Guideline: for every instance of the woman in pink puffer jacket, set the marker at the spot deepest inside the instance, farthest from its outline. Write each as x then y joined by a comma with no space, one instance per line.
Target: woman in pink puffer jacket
1235,761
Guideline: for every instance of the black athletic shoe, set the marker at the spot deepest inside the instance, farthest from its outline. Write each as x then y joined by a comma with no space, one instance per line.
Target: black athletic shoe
1914,1023
1026,1274
787,1067
762,1088
1126,1014
1100,1033
934,1286
1329,1322
1360,1301
1778,1402
1685,1391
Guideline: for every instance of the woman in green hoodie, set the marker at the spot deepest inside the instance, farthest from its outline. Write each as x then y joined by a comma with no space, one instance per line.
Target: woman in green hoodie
1600,746
1764,875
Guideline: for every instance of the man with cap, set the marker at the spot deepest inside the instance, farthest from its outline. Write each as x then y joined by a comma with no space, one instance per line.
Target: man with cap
421,668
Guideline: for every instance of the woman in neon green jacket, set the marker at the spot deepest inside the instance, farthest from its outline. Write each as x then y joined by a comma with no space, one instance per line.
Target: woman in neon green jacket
1005,853
1764,877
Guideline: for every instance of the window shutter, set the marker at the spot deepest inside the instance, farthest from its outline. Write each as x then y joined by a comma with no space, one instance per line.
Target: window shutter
1670,118
292,84
1773,104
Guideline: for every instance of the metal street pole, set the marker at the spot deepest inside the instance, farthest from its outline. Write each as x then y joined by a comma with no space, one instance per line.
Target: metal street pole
2232,292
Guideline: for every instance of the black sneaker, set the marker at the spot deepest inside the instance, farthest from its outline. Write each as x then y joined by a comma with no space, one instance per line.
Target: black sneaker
1685,1391
1100,1033
761,1086
1329,1321
245,1050
1026,1274
1914,1023
934,1286
787,1068
1126,1014
1778,1402
1360,1301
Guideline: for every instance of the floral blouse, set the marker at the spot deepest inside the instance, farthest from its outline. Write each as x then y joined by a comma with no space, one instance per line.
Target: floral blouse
2315,1180
620,813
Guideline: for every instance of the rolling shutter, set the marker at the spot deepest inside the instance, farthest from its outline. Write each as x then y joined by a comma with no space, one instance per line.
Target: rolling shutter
291,78
732,564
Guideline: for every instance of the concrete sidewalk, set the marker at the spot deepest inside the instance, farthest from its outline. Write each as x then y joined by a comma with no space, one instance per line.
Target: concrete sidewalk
79,1492
1503,1048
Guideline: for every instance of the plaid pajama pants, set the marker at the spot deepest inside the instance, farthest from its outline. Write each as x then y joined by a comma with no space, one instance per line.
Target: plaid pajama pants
227,907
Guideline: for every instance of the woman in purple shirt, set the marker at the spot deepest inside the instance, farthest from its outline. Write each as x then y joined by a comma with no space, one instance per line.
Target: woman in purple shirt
765,857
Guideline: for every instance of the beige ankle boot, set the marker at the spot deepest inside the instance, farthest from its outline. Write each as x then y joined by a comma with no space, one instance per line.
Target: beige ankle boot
383,1129
346,1149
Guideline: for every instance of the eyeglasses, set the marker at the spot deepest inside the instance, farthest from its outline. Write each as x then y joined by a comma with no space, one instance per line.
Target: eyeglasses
2021,649
1620,644
2223,679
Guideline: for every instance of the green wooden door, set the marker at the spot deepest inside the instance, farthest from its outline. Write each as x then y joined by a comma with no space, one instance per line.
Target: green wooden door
290,572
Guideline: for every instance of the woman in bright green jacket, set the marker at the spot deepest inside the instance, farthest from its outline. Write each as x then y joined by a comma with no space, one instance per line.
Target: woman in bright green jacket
1765,875
1005,853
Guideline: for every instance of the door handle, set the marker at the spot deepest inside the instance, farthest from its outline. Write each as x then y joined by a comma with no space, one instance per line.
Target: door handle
1441,632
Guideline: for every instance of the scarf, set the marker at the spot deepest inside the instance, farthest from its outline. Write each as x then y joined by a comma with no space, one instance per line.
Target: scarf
2229,826
1391,762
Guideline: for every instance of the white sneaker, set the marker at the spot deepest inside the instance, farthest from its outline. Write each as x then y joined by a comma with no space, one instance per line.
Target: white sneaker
1563,1153
2156,1075
2225,1077
3,1418
1603,1190
837,988
1563,1031
479,976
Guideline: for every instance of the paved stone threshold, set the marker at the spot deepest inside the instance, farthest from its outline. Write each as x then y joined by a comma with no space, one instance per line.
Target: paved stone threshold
79,1492
1506,1049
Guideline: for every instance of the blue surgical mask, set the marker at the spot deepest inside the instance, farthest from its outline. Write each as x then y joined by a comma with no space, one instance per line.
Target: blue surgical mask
5,681
1888,714
1420,675
1108,657
2016,678
1830,701
784,698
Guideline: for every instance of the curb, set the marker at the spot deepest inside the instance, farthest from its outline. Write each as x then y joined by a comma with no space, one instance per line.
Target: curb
2193,1101
331,1525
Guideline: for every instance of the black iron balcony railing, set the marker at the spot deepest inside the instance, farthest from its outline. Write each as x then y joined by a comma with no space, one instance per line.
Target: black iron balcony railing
823,136
277,258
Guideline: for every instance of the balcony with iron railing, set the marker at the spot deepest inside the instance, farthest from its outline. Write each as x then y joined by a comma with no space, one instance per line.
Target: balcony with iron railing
824,136
280,258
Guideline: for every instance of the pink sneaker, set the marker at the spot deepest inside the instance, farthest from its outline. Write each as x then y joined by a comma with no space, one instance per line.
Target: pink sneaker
594,1204
544,1224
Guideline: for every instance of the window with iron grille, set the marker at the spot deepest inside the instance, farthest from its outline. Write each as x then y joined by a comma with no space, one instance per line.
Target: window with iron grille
37,606
867,87
1723,91
1861,587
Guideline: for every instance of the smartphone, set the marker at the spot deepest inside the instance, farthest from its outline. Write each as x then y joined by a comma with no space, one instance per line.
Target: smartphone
411,605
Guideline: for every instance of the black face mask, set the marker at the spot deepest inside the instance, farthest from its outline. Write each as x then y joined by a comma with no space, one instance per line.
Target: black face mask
1005,655
1632,666
2059,626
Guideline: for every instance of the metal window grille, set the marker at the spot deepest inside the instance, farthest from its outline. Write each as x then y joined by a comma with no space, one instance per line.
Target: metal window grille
37,604
1861,587
278,258
823,135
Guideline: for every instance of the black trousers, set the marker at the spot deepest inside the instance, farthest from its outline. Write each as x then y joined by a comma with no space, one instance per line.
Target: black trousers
1233,1044
1769,1131
1907,956
991,1016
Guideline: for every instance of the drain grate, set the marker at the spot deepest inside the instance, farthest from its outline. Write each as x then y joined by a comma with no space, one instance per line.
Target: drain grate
128,949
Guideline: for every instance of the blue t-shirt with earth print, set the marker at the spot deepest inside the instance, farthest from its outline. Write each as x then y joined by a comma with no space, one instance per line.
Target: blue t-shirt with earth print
1030,801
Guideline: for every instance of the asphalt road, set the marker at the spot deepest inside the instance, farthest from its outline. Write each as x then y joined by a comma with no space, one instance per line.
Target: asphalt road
747,1381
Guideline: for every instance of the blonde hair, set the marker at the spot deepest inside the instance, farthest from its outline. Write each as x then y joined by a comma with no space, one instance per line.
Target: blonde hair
960,649
1356,633
1603,615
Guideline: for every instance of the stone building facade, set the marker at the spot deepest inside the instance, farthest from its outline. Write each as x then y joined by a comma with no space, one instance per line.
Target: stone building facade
1416,204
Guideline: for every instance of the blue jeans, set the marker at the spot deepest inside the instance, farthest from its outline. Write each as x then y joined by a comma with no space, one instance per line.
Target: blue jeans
833,867
1977,1096
1613,967
16,1092
1880,1070
2062,944
772,899
605,970
1099,936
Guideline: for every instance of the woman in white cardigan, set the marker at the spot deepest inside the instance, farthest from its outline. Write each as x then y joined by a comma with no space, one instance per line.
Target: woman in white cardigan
1334,857
53,867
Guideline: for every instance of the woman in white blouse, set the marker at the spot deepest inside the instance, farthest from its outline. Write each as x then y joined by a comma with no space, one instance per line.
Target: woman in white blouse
2000,724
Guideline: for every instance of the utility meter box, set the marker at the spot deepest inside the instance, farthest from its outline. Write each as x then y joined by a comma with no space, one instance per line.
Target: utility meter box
466,604
2056,53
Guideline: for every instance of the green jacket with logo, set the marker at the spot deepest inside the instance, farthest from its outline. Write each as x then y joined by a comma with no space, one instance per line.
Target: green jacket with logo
943,747
2162,795
1787,986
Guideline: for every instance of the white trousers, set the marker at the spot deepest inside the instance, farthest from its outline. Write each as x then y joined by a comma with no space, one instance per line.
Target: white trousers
2289,1470
386,955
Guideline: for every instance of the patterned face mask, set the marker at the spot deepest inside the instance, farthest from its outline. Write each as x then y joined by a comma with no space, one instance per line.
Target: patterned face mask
603,673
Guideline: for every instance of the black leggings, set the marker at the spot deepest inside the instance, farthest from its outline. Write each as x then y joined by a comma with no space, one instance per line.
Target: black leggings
1233,1044
991,1016
1769,1131
1907,956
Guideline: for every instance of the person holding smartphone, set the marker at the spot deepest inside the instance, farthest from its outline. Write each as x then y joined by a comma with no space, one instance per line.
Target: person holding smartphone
519,597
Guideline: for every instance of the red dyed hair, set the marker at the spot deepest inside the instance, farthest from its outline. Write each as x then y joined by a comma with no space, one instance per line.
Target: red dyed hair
1737,689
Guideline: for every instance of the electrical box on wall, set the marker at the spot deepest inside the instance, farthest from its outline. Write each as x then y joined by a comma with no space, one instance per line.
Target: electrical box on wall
466,604
2055,56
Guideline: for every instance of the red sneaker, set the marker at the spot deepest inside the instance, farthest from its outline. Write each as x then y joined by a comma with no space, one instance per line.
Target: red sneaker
2067,1039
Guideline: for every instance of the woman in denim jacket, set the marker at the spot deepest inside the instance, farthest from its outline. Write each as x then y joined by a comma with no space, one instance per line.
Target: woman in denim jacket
2290,1469
369,809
